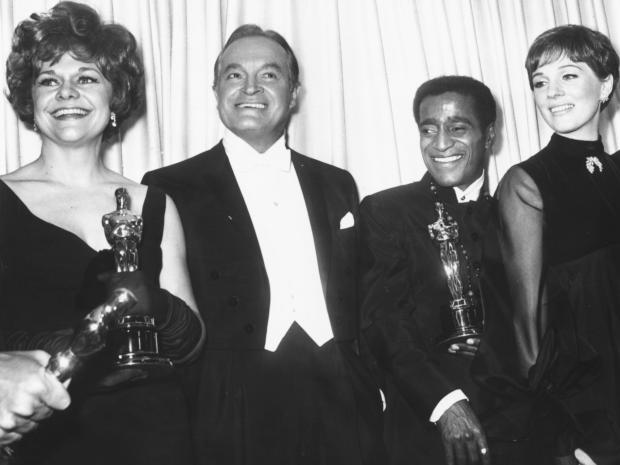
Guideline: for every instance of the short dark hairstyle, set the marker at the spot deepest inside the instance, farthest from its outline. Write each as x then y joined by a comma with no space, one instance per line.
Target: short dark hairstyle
252,30
76,29
579,44
484,103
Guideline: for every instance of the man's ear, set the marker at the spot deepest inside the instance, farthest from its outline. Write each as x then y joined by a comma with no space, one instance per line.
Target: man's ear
294,94
489,137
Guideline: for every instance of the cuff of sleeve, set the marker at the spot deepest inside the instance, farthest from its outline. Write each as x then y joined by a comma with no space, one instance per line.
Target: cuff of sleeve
444,404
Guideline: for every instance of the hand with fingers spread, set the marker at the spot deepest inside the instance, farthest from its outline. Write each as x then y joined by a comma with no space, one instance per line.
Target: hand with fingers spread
28,393
462,435
469,348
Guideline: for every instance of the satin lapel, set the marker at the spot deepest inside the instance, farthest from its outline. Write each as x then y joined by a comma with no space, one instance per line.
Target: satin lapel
313,189
224,195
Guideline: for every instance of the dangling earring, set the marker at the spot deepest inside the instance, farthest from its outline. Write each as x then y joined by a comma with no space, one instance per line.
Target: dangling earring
113,119
34,127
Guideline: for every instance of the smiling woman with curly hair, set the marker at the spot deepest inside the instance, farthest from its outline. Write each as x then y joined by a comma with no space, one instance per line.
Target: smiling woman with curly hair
75,80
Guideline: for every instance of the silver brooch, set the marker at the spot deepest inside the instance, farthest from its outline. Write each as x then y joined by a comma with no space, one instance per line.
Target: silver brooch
592,163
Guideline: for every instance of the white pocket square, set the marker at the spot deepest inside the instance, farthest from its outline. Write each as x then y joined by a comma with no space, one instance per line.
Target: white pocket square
347,221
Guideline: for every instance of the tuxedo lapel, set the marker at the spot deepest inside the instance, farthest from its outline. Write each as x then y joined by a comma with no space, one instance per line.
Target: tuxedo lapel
224,195
314,196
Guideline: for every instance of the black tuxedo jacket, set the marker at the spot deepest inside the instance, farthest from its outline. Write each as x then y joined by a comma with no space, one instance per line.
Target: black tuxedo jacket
223,255
301,402
404,286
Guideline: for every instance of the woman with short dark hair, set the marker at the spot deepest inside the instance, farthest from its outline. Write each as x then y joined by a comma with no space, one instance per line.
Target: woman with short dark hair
560,215
75,80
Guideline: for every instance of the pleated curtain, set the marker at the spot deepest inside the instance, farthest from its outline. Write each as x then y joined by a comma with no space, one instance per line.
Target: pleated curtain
361,62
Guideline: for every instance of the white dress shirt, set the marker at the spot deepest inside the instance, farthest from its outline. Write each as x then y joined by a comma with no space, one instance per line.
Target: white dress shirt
471,193
273,196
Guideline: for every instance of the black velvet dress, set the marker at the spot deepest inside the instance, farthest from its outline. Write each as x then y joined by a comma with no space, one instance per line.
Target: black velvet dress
578,367
47,283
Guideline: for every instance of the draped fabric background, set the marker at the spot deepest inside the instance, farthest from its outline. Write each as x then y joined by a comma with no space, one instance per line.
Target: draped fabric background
361,62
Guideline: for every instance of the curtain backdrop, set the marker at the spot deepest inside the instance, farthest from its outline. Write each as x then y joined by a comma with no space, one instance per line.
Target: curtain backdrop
361,62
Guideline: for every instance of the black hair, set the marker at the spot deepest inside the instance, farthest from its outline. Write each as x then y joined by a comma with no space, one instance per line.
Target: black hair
484,103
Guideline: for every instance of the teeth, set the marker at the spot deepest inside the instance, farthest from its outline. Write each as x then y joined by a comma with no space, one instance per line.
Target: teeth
258,106
70,111
447,159
561,108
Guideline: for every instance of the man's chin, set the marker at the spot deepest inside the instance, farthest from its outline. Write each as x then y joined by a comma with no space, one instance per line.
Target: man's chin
447,181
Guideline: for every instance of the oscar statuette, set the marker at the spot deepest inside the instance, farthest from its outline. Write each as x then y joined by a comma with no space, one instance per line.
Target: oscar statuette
465,318
89,338
136,334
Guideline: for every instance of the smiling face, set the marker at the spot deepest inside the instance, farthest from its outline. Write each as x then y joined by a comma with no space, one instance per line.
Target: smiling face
71,101
254,92
453,144
568,95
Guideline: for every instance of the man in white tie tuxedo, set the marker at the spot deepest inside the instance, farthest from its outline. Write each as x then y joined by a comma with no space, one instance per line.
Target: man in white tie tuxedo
272,244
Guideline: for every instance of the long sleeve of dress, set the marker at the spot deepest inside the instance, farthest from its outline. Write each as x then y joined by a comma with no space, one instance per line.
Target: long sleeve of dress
182,333
521,219
49,341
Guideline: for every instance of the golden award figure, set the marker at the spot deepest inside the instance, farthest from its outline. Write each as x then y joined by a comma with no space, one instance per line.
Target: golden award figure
137,335
89,338
465,317
91,334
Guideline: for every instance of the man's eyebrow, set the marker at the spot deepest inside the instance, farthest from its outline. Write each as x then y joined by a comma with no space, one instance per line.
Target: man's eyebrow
273,65
231,66
460,119
428,121
452,119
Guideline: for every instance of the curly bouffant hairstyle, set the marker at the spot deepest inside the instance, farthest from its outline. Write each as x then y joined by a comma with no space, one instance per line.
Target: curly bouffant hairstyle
76,29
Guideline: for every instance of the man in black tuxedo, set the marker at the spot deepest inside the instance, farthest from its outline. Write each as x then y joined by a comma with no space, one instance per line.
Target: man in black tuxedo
272,252
436,413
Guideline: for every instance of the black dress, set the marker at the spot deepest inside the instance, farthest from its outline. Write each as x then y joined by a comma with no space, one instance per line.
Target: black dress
47,283
578,366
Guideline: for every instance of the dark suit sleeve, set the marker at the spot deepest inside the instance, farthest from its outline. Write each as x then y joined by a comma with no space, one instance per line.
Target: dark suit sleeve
157,179
388,326
147,179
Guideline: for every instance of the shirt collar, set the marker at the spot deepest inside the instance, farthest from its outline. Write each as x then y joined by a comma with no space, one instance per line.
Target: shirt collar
472,192
243,157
